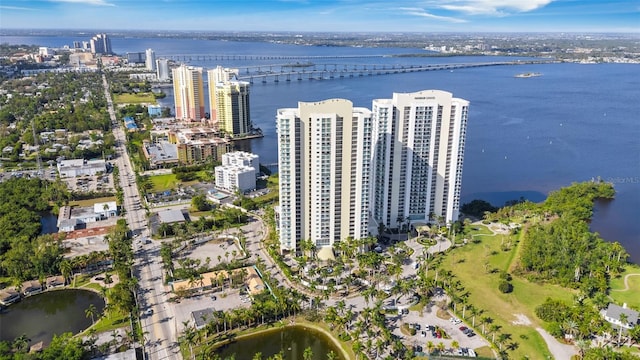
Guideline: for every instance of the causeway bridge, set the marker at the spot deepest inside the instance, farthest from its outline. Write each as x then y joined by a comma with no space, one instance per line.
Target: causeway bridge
310,71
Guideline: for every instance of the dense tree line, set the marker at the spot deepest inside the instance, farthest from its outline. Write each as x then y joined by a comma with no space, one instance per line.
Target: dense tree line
477,208
23,253
64,346
563,250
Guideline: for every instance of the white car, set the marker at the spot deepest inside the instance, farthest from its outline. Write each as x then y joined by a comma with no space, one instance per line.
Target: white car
149,311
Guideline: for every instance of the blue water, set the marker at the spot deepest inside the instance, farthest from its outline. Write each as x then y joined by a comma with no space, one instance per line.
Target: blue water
526,136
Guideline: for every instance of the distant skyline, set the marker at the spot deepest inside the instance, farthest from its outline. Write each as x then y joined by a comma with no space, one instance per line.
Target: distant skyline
325,15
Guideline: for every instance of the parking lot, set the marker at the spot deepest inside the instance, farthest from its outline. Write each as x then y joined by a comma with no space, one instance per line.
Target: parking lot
86,183
216,251
429,322
224,301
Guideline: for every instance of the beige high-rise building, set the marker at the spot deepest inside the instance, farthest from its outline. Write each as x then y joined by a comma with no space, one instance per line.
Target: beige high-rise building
232,107
188,90
418,152
214,76
324,153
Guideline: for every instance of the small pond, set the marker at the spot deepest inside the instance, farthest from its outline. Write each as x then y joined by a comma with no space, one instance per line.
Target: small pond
49,223
291,340
53,312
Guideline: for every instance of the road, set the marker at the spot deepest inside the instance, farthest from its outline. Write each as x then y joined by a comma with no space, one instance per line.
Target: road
159,327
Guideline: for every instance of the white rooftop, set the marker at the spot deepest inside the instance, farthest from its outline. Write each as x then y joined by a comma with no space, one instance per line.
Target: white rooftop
99,207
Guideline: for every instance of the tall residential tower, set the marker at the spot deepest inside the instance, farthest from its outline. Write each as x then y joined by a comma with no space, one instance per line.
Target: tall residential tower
100,44
324,153
417,159
150,60
229,101
188,90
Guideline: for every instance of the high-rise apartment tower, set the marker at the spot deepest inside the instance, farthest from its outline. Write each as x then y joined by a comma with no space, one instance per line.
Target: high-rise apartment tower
100,44
229,101
150,59
188,90
418,151
324,153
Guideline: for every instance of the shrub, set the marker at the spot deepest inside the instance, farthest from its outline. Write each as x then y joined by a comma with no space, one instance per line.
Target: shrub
505,287
505,276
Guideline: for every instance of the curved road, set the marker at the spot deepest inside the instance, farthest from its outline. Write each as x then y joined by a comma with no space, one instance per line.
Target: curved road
159,327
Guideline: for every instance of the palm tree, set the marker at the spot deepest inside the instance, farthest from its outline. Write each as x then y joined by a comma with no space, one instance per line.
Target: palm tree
91,312
571,327
430,346
502,338
493,329
21,343
441,347
66,269
624,319
486,320
307,354
455,345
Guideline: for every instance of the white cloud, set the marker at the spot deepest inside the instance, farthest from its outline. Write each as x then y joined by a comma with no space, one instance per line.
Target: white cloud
86,2
6,7
491,7
422,13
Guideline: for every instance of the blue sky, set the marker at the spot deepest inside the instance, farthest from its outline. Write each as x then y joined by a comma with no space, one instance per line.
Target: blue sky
326,15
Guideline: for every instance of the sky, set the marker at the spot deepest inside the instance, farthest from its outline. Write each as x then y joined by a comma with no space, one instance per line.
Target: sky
325,15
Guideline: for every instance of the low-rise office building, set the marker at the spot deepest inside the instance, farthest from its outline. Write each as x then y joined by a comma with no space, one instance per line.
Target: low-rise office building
80,167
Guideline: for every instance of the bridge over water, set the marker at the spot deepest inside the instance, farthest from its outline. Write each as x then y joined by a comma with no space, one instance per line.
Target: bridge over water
310,71
220,57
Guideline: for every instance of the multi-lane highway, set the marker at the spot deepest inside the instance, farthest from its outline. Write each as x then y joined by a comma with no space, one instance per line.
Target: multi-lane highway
158,321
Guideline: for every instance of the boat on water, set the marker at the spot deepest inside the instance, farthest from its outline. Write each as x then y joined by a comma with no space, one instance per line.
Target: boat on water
528,75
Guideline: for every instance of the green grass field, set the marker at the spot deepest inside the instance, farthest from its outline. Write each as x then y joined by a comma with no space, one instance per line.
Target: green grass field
163,182
134,98
469,262
629,296
169,181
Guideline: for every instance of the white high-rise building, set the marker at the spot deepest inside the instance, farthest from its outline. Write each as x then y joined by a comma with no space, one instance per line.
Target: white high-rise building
162,70
150,59
242,158
418,152
324,153
100,44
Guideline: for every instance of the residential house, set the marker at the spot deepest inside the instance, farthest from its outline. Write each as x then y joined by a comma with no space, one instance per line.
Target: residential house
614,313
31,287
9,296
55,281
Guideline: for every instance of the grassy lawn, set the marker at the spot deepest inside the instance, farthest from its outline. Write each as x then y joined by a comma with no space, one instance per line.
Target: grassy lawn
163,182
90,202
468,263
629,296
169,181
111,321
134,98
